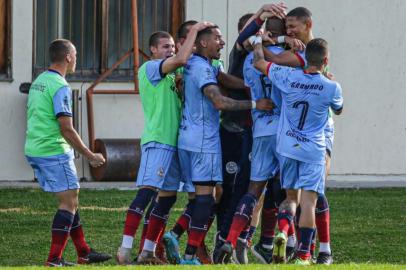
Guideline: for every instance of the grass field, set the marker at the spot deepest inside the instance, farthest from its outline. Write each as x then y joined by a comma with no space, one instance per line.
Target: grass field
368,227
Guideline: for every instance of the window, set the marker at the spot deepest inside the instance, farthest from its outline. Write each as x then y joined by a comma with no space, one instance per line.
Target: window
5,40
101,30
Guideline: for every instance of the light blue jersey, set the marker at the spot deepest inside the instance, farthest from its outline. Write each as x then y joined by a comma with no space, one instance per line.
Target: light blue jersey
199,129
329,130
306,99
265,123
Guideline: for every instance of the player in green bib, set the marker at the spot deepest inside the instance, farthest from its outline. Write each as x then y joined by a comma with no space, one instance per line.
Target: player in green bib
161,103
48,149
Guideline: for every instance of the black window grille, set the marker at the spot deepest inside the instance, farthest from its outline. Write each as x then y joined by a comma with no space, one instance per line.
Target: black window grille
101,30
5,40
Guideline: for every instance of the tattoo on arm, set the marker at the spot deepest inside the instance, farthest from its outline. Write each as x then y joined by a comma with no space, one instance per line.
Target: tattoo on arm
224,103
259,61
258,53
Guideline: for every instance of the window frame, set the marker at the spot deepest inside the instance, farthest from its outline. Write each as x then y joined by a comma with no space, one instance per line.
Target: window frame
8,75
104,44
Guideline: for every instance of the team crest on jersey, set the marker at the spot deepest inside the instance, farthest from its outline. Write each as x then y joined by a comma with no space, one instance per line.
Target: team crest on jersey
209,73
66,101
231,167
161,172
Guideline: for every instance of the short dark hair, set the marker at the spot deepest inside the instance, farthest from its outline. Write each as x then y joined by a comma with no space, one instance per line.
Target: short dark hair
206,31
316,51
58,49
154,38
301,13
182,30
243,20
275,25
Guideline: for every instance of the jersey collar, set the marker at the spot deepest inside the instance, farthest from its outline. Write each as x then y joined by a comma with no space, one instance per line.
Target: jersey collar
54,71
201,56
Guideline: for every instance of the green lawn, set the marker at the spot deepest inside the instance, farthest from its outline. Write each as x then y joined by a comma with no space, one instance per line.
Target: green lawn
368,226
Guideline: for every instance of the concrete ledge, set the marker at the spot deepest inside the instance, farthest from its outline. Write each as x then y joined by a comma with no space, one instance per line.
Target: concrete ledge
333,183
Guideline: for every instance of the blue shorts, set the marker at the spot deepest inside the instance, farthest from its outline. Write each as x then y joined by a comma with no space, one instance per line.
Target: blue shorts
159,167
200,167
301,175
186,187
55,173
329,144
264,159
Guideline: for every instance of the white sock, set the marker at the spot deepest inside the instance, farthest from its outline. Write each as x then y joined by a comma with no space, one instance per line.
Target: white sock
325,247
267,246
291,241
149,245
242,240
127,241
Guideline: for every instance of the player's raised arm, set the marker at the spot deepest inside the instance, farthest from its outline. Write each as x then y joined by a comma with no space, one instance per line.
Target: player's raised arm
259,60
221,102
185,51
255,22
286,58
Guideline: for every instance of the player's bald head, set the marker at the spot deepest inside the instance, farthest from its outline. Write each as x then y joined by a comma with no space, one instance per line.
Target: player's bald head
316,52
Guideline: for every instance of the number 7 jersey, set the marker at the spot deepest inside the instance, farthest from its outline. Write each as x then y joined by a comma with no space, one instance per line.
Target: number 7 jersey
306,99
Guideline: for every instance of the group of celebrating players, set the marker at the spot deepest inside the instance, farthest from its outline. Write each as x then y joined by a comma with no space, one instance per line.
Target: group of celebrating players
247,145
199,137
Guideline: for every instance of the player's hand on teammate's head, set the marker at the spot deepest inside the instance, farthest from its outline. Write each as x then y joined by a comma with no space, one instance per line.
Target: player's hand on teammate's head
278,10
295,44
202,25
269,14
264,104
97,160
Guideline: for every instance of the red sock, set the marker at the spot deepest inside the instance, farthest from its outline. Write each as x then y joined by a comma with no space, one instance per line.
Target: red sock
59,241
60,229
196,237
132,222
183,222
239,223
155,228
269,219
78,238
283,225
209,223
323,226
143,234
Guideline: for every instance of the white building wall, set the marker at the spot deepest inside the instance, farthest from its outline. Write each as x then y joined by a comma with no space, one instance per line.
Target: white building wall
367,46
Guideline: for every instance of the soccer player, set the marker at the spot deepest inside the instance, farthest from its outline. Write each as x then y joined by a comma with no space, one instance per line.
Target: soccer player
159,167
171,238
49,141
236,135
299,26
307,96
264,160
199,142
